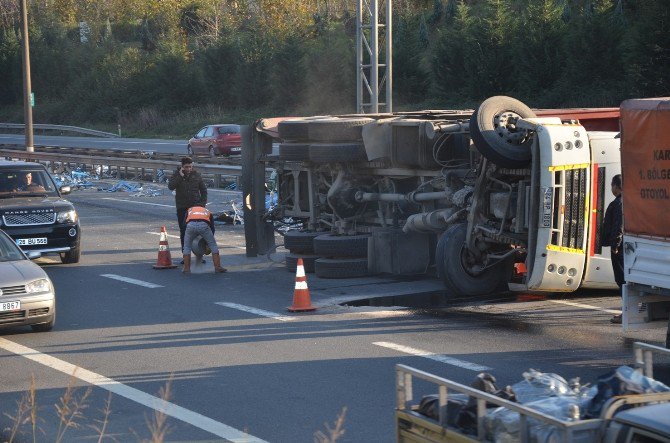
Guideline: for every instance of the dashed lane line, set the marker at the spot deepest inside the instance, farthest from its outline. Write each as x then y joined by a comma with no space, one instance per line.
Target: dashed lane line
193,418
585,306
432,356
131,281
257,311
139,203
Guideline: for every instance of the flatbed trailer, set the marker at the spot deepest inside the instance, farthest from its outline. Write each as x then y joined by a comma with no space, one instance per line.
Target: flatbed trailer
413,427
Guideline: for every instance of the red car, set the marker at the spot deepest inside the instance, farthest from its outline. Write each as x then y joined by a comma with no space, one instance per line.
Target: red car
216,140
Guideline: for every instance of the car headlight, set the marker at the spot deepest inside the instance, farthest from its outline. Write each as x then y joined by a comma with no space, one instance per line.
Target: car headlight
37,286
67,216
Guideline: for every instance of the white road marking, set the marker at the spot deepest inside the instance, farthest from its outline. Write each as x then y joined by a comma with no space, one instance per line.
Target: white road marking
193,418
432,356
131,281
158,233
139,203
582,305
257,311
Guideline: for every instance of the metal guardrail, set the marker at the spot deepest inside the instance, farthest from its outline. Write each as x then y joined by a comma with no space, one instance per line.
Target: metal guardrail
125,167
47,127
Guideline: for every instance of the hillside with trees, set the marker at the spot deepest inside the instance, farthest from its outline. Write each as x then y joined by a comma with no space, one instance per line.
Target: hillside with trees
168,66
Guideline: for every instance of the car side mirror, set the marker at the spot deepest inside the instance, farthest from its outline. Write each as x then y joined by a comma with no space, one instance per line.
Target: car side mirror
33,254
65,190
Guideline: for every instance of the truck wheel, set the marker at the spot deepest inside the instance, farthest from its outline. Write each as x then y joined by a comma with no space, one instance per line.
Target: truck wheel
337,129
293,130
328,245
494,132
341,268
307,261
71,256
337,152
455,271
298,152
300,242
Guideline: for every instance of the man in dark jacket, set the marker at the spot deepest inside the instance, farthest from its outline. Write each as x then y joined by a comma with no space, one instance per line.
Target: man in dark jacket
612,235
190,191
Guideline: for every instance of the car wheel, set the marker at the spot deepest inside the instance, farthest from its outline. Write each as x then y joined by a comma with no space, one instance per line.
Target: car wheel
212,153
495,134
456,272
189,150
71,256
45,327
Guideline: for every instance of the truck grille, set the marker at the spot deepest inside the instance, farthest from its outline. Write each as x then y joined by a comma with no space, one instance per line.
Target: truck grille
46,218
575,208
13,290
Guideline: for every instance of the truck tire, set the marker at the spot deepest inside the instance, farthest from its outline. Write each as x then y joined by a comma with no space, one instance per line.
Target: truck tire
454,274
300,242
337,129
341,268
337,152
307,261
328,245
494,132
293,130
298,152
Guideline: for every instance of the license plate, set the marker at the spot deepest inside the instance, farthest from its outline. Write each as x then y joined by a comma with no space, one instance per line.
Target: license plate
31,241
10,306
236,149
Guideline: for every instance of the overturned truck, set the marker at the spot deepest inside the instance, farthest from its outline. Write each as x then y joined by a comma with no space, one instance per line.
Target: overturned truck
488,199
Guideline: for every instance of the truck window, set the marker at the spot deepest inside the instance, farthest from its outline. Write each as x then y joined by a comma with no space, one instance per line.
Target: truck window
600,208
639,436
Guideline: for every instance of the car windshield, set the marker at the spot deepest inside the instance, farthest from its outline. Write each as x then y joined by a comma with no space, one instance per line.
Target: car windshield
26,183
8,249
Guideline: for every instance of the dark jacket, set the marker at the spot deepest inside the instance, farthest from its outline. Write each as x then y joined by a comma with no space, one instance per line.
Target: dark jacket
612,234
191,190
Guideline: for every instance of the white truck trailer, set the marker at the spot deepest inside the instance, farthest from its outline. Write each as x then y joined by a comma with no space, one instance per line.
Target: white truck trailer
645,153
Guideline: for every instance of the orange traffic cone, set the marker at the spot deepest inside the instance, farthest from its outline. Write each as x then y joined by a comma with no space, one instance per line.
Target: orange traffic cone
301,299
164,259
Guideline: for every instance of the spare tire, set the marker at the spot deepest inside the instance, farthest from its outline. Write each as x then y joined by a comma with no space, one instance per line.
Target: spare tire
298,152
337,129
341,268
293,130
329,245
299,241
495,134
337,152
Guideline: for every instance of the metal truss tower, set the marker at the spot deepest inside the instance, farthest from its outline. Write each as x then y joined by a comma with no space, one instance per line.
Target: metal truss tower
374,55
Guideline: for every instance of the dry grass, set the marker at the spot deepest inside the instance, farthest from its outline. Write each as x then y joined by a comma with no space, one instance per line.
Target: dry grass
332,434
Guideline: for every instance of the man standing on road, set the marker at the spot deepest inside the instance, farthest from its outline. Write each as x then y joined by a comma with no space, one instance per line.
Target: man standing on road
612,235
190,191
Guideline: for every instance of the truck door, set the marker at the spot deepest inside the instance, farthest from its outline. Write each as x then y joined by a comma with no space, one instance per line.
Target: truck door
605,164
562,183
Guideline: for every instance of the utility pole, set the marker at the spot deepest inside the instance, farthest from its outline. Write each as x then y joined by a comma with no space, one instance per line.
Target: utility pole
27,105
373,92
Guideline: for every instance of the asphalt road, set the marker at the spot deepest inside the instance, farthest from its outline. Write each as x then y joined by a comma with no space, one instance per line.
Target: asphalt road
240,367
123,144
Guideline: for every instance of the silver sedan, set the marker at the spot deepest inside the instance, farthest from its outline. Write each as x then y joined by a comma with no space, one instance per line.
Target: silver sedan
27,296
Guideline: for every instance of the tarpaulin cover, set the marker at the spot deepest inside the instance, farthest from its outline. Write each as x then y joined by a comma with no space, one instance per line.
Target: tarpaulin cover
645,165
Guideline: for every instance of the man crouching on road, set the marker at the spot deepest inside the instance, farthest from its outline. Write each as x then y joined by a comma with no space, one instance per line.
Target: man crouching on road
199,221
190,190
